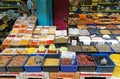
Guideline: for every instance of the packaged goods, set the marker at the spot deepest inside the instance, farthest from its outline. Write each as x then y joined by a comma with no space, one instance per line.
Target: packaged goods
8,51
7,41
62,49
24,42
52,49
43,39
30,51
41,49
21,31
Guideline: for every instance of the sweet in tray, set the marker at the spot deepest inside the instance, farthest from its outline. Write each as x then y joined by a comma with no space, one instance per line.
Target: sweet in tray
51,62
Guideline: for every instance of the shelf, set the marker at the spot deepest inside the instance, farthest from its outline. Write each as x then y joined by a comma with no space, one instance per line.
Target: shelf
10,0
108,11
86,5
8,7
88,11
104,3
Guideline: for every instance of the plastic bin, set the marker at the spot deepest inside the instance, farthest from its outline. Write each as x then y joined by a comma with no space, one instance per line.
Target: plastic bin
115,48
89,49
14,68
37,68
3,68
103,68
104,49
50,68
87,68
69,68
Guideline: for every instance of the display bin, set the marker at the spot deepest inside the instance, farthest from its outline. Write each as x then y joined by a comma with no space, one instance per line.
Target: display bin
108,53
37,68
103,68
69,68
107,50
75,48
16,68
87,68
89,49
3,68
110,40
50,68
93,31
115,48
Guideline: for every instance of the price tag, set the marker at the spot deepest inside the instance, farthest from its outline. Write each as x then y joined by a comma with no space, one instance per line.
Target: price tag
103,27
115,42
93,36
68,55
101,42
86,42
74,42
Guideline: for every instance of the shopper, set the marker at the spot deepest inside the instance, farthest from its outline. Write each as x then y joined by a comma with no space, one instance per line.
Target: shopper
22,9
78,10
30,6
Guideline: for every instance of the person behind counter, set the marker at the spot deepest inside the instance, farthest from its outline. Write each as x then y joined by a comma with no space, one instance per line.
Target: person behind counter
22,9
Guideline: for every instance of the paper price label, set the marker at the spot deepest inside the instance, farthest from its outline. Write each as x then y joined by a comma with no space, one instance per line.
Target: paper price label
74,42
115,42
68,54
86,42
101,42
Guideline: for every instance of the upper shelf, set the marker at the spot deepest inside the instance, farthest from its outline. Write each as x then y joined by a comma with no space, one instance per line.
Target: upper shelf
107,3
10,0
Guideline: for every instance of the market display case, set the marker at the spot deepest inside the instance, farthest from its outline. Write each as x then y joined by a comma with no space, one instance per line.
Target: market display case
47,44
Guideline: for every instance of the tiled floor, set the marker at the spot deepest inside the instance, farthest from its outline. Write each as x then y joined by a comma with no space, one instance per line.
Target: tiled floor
115,77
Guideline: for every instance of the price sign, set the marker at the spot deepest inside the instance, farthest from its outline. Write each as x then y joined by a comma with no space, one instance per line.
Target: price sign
86,42
74,42
35,75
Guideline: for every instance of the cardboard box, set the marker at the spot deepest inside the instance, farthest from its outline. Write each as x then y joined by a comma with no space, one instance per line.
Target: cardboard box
64,75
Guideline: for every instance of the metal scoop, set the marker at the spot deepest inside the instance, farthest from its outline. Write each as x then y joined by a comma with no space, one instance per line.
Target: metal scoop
38,59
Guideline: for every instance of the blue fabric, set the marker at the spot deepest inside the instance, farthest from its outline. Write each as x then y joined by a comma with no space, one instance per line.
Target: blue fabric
78,10
44,12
